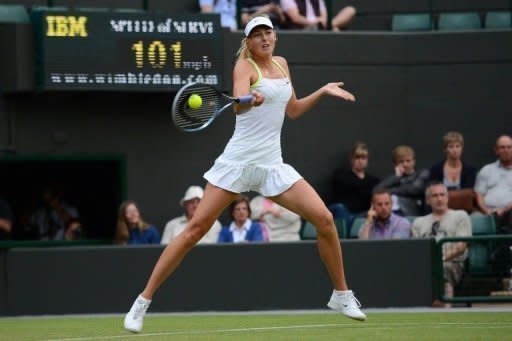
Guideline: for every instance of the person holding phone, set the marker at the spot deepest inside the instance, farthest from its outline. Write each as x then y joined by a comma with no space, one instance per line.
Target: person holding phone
381,222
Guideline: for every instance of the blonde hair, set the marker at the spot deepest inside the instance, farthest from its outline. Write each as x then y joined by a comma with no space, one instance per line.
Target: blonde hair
453,137
243,52
402,151
122,229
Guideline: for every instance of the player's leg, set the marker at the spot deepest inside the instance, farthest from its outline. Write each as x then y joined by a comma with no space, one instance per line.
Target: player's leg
210,207
303,199
214,201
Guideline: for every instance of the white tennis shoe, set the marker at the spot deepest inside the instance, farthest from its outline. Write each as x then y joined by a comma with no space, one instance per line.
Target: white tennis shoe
347,304
133,321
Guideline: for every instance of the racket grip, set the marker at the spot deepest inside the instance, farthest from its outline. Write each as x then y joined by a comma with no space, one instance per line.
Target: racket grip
244,99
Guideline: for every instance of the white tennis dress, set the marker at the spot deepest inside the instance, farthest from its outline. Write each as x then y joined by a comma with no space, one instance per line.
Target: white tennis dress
252,159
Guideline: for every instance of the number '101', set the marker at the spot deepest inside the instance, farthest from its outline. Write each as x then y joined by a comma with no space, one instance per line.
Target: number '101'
156,54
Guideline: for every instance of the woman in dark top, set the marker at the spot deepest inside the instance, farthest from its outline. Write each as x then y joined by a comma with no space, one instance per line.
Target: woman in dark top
458,176
353,187
453,172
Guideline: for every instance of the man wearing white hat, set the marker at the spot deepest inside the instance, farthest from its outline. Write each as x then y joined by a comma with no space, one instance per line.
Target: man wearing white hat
189,202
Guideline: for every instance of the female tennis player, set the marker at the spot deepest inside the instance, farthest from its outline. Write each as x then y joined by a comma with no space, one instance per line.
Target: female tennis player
252,161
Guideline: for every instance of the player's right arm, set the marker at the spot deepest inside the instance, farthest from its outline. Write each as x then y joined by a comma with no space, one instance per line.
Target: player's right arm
244,75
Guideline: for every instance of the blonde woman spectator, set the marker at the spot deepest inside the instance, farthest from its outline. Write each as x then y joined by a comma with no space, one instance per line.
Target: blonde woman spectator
458,176
132,229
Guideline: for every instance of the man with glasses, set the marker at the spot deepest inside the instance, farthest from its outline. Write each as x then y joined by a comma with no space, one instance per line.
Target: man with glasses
444,223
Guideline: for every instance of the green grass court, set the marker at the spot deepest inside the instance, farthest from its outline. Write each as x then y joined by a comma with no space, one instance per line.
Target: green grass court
308,326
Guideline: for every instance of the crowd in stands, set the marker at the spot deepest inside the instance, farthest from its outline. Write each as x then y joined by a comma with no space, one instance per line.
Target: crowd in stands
285,14
377,208
409,203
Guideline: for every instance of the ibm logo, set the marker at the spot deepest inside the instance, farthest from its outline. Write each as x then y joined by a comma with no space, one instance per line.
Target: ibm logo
66,26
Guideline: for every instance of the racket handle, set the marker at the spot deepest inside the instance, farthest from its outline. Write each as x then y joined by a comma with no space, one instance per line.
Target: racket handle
244,99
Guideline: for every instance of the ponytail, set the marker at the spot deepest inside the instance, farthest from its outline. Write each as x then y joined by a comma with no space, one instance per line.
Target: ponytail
243,51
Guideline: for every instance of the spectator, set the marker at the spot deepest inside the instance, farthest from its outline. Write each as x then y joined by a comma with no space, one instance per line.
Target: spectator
6,219
74,230
381,223
442,223
242,229
457,175
226,9
252,8
305,14
282,224
312,15
407,187
493,185
50,220
190,201
343,19
132,229
353,187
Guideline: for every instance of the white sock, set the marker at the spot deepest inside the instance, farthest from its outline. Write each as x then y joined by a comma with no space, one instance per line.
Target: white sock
341,292
145,300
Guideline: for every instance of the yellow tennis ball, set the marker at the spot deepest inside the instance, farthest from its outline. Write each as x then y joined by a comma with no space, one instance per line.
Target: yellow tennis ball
195,101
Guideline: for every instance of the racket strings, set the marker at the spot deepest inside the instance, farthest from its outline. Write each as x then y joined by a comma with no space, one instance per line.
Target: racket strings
190,118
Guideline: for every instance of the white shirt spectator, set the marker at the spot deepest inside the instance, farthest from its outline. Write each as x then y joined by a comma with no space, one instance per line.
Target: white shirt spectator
494,182
175,226
240,233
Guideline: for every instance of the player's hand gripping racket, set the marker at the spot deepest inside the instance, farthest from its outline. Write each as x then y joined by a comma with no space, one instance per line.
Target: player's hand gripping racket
196,105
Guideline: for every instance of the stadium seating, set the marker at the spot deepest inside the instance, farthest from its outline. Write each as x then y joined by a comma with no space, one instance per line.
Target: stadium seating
412,22
483,224
411,218
13,14
479,252
356,226
496,20
308,230
459,21
341,228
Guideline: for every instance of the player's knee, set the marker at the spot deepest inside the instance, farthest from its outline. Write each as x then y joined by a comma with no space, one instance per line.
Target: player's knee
194,232
325,221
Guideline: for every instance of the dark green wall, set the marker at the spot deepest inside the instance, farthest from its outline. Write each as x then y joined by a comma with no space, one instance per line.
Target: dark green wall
77,280
410,88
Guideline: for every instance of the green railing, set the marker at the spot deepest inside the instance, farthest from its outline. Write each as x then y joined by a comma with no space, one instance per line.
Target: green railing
479,266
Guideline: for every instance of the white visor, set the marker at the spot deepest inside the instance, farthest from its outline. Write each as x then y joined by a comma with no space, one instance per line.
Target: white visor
257,21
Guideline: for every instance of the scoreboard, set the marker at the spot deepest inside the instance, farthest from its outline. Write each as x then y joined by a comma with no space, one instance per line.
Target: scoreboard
107,50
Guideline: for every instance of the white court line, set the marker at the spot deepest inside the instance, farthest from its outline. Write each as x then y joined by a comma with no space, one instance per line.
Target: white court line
379,326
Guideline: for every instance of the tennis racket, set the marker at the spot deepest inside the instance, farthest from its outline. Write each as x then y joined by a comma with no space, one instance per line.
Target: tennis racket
214,102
